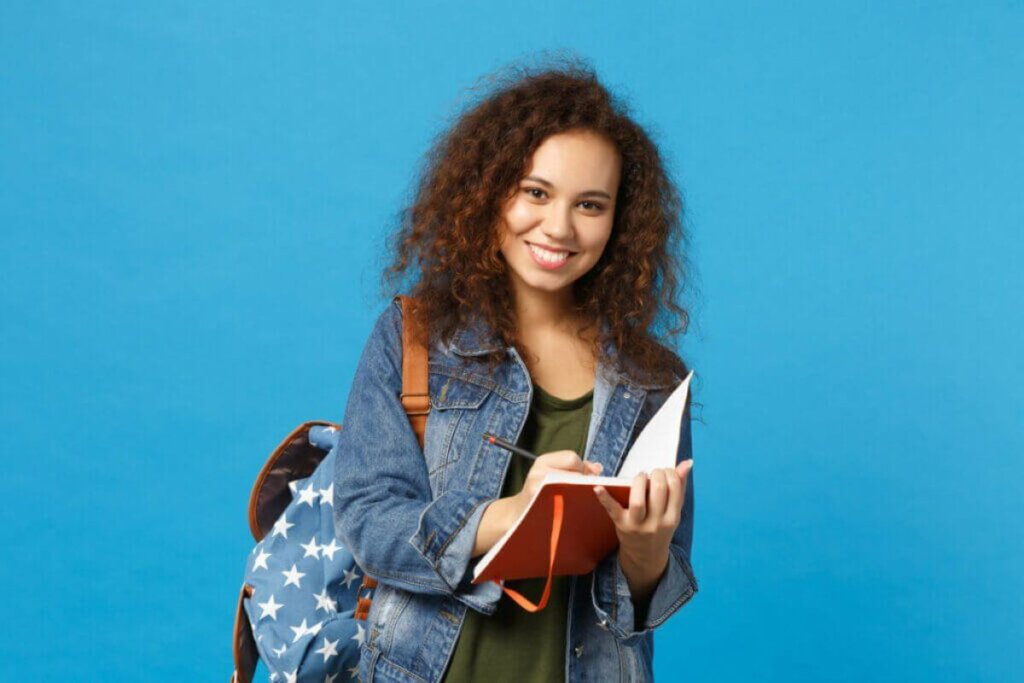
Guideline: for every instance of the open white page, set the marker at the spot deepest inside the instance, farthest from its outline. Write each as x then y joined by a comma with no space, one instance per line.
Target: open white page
657,445
563,477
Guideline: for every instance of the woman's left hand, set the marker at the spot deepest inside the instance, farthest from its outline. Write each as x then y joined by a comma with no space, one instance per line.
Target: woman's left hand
646,527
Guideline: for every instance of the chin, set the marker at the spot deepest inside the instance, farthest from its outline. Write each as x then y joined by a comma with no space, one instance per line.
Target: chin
547,284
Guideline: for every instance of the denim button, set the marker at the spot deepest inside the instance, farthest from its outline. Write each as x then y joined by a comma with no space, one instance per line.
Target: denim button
578,651
603,623
626,395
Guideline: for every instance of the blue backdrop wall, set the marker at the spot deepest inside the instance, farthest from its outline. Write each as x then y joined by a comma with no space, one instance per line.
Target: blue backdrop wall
193,198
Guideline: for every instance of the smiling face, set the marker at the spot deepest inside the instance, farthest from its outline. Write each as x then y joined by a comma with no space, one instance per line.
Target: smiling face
556,224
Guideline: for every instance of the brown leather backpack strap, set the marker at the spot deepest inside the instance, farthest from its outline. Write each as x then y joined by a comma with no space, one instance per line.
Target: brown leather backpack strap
415,390
363,599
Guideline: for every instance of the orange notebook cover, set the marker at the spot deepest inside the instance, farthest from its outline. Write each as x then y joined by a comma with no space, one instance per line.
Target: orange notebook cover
587,533
565,530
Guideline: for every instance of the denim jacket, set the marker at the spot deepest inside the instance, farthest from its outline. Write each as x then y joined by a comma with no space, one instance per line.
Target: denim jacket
410,516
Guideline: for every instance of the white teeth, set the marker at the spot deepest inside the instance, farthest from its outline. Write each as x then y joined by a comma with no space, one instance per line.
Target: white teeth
549,256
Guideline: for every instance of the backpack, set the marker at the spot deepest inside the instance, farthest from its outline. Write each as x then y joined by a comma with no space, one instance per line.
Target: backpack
300,609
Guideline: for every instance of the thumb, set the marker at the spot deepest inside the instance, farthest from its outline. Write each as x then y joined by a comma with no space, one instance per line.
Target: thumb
683,469
611,506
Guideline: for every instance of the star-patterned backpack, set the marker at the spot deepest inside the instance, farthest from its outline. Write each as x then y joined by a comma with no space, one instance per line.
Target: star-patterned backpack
303,599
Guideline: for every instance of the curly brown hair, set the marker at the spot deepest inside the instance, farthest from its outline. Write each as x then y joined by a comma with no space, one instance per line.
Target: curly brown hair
449,232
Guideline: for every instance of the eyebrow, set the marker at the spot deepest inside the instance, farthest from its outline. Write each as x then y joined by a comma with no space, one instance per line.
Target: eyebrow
588,193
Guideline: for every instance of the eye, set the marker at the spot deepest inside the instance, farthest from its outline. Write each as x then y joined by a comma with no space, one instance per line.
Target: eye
587,205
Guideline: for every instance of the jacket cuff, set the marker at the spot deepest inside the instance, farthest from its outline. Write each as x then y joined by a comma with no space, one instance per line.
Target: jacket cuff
445,537
614,604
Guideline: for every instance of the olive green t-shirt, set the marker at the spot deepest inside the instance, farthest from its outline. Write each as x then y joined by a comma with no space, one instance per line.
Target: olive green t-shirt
513,644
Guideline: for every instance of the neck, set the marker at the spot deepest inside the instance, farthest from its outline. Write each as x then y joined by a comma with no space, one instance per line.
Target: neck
537,310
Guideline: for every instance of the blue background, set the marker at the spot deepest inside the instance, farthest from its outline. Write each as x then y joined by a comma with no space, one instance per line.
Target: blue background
193,203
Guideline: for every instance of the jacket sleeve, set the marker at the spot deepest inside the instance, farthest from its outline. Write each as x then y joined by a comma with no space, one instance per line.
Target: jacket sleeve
610,590
384,510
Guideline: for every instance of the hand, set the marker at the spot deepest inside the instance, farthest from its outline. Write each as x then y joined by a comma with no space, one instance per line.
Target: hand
646,527
566,461
501,513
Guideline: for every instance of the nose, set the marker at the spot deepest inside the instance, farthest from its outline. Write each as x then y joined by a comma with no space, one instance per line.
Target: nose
559,225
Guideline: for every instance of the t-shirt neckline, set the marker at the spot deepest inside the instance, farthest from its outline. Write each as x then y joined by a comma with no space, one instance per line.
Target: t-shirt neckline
563,403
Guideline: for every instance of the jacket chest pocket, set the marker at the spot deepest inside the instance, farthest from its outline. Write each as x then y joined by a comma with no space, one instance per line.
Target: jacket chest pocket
458,414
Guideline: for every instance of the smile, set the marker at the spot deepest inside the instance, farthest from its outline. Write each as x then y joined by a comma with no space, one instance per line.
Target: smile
547,258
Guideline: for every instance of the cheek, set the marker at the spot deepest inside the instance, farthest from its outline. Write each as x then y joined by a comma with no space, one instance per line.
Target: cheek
515,221
509,243
595,241
519,215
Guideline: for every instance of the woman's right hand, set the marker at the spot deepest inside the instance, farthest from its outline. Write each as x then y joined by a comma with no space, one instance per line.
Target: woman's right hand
566,461
501,513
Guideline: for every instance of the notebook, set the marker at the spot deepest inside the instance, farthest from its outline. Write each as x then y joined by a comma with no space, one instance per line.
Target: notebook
587,533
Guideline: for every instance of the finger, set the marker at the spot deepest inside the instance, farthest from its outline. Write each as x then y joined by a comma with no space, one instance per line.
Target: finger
611,506
675,493
562,460
683,470
657,495
638,499
594,467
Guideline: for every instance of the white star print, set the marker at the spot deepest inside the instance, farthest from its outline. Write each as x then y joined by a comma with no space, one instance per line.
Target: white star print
327,495
291,677
270,607
307,495
360,635
282,526
261,561
324,602
331,548
293,576
350,576
300,630
303,630
354,672
329,649
312,549
292,486
329,678
278,653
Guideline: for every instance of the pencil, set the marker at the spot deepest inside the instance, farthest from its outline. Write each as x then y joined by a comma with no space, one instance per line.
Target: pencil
498,441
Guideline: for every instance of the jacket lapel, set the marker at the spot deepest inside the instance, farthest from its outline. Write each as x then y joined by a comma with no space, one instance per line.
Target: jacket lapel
615,409
618,399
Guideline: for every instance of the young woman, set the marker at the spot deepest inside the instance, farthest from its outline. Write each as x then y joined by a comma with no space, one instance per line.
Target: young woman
546,236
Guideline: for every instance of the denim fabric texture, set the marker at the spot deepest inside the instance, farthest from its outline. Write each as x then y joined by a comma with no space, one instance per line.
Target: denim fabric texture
410,517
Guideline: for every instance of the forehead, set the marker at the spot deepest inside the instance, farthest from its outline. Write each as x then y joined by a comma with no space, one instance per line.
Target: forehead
577,161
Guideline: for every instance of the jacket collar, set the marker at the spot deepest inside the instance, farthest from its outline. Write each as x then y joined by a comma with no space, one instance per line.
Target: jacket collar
476,338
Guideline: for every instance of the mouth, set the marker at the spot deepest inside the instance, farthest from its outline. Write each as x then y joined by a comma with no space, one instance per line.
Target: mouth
549,259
